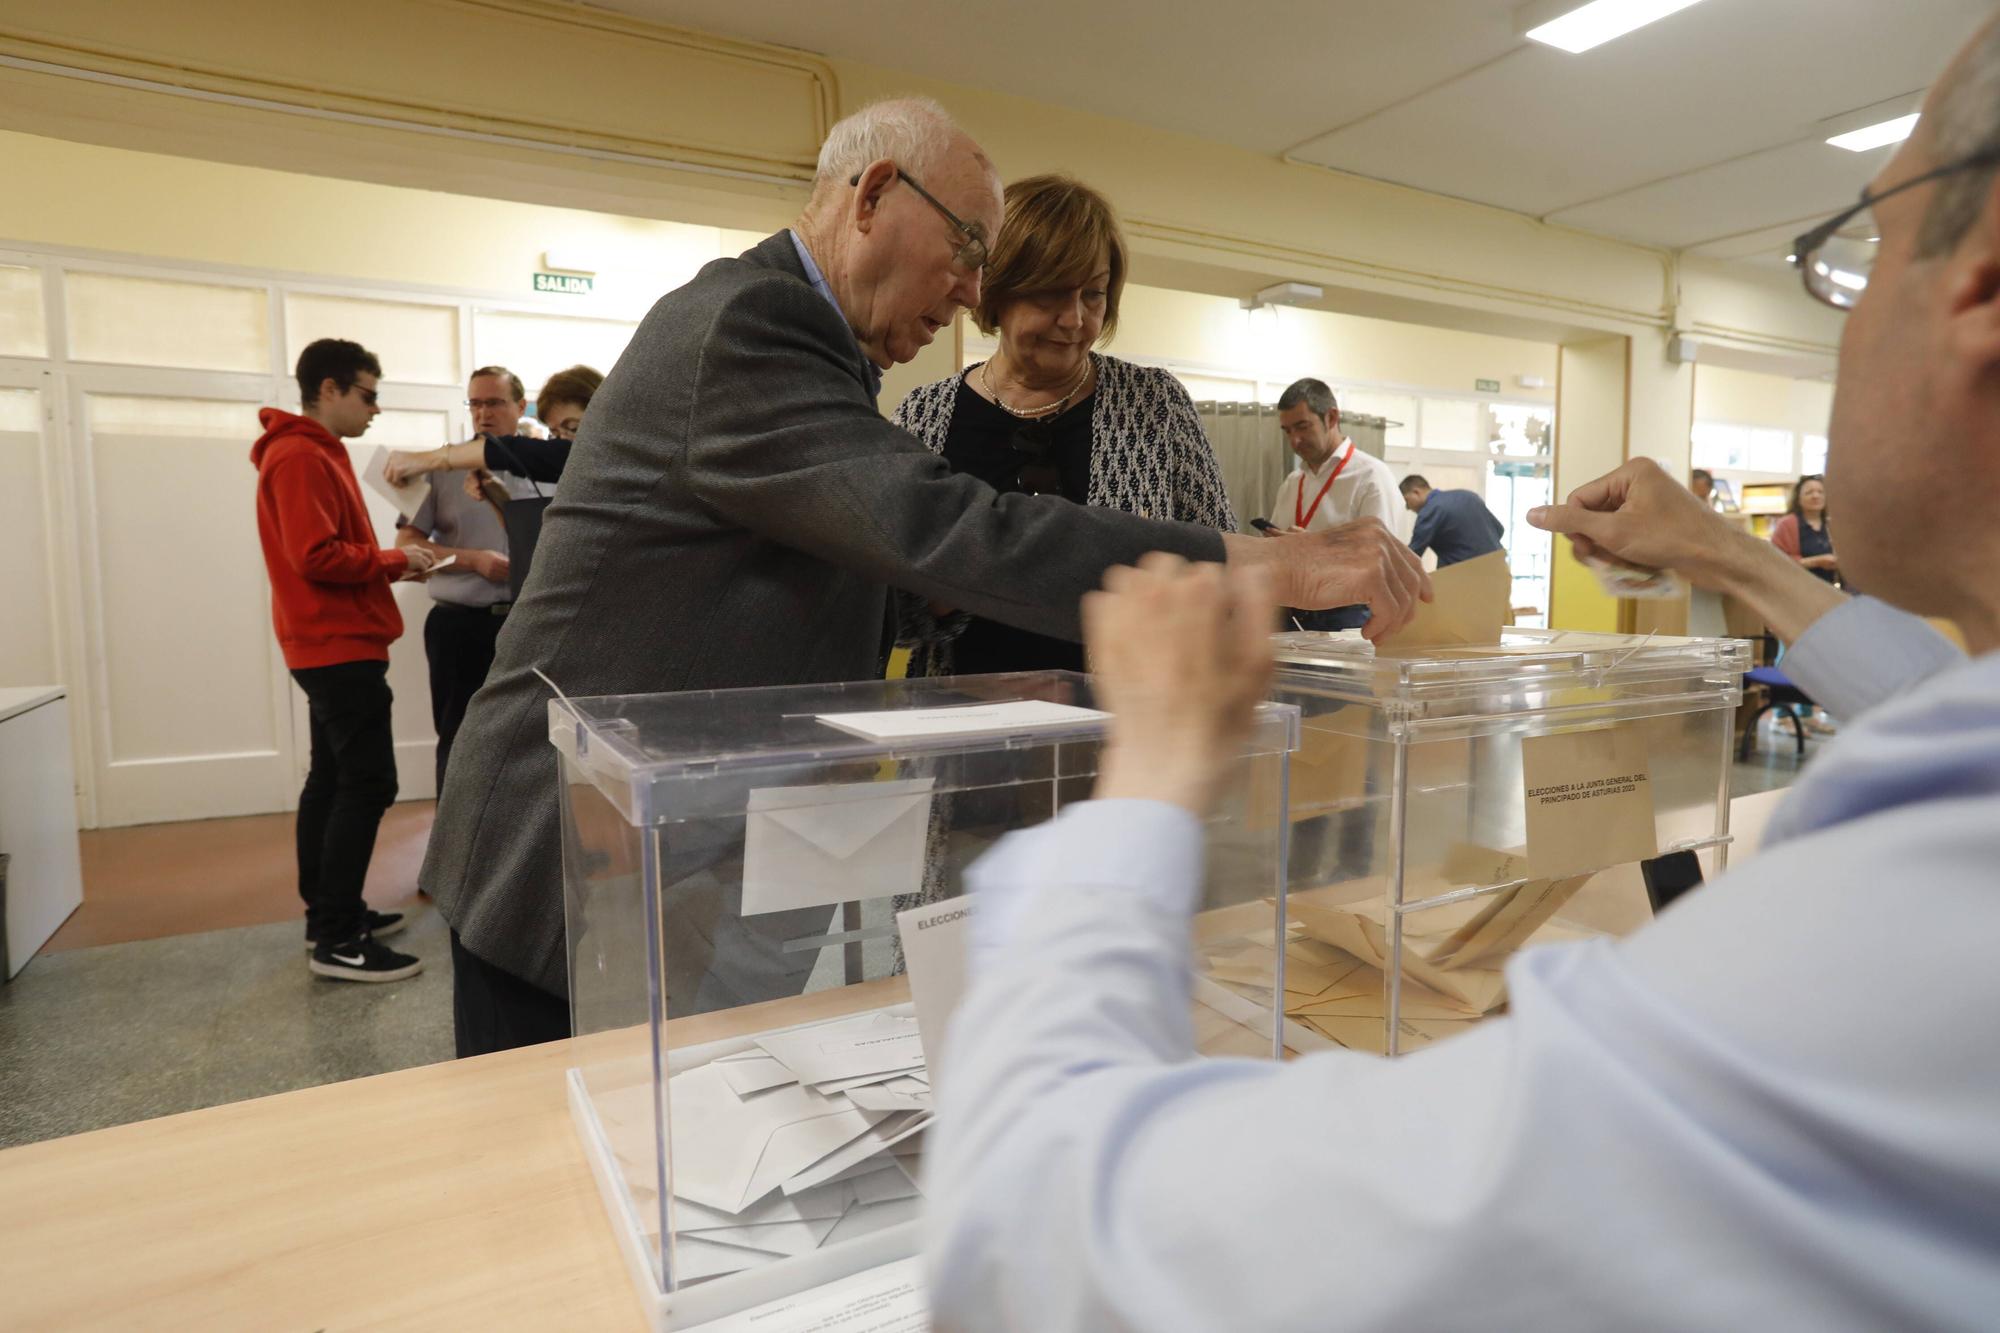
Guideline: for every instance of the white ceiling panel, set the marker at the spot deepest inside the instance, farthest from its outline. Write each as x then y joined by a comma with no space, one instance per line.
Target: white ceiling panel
1543,131
1702,130
1804,182
1261,76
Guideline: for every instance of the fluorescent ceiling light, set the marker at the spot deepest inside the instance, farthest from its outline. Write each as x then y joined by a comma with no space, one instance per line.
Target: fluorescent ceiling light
1876,136
1597,22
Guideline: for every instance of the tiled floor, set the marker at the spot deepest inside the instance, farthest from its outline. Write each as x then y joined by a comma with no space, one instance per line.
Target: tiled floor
182,982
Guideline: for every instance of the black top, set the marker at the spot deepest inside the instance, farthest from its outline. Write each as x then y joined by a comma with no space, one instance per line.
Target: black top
526,456
1816,541
1048,456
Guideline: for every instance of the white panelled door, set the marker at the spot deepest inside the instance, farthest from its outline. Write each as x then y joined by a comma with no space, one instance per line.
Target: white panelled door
190,698
134,576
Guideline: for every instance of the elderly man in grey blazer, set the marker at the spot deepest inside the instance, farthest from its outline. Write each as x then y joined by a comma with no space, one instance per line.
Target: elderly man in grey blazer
736,508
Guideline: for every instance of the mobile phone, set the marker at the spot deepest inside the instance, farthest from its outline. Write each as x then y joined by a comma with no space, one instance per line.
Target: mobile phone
1668,877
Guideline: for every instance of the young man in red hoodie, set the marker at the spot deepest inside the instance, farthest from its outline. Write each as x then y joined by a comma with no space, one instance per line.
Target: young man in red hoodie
335,619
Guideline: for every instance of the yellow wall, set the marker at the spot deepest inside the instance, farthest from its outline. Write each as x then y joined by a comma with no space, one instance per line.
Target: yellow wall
1750,398
1283,344
148,204
209,212
1590,441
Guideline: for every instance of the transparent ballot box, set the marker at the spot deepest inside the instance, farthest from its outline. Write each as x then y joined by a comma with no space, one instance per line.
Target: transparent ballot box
1449,806
764,944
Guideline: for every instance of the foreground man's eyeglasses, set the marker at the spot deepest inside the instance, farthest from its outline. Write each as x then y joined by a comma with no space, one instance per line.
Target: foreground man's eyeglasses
1835,258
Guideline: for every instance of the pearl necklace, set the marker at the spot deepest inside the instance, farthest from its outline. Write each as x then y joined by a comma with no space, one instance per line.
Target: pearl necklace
1035,413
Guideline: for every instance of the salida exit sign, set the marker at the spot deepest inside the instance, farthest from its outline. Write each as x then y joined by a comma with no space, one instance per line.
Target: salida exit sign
569,284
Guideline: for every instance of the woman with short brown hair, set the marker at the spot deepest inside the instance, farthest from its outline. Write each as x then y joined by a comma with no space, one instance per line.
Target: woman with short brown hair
1047,414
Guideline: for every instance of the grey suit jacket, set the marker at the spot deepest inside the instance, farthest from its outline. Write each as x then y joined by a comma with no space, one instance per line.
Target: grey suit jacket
732,515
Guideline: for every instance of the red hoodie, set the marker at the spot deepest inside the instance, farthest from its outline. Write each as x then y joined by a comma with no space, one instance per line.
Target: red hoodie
330,582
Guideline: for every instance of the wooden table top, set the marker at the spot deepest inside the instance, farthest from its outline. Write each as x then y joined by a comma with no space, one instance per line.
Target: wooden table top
454,1195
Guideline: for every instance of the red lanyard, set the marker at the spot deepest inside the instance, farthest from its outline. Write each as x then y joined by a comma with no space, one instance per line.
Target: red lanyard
1300,513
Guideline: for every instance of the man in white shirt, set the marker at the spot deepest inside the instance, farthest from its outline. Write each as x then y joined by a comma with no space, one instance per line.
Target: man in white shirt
1773,1108
1334,483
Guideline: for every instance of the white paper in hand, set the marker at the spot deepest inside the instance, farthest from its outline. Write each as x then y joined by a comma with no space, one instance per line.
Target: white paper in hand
408,497
819,846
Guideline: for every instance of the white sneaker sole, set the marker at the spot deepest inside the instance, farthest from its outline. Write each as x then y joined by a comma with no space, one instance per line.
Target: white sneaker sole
396,929
337,972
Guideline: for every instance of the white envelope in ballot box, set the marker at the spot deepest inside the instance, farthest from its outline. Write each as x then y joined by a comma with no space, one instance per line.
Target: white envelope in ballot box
818,846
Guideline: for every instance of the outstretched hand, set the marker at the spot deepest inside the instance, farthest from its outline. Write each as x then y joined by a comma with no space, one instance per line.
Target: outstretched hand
1638,515
1181,656
1360,562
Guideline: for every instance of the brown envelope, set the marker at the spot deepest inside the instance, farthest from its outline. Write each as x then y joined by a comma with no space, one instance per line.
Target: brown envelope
1469,606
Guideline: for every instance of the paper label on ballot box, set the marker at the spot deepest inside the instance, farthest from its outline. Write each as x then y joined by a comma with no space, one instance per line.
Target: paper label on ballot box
1590,801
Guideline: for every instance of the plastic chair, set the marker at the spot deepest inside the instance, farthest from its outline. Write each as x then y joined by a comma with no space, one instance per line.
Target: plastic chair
1779,692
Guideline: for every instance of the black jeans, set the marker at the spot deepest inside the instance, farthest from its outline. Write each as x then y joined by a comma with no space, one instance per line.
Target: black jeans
351,781
494,1010
458,641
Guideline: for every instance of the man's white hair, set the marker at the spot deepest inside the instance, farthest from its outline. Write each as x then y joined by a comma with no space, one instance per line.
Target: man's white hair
915,132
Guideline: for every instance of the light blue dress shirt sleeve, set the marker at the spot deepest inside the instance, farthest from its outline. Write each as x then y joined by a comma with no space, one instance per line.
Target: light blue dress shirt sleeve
1772,1109
1864,652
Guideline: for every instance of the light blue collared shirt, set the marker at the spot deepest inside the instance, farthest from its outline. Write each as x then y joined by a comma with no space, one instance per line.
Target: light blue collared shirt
819,284
1777,1107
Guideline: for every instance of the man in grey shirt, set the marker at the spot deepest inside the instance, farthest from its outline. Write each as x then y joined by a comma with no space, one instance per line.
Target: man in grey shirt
471,598
736,508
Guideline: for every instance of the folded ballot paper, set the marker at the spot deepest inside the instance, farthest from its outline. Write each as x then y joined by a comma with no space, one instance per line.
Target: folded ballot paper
807,1138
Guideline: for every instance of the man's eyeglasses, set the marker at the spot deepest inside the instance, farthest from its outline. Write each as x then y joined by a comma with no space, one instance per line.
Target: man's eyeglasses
490,404
971,255
1836,257
367,395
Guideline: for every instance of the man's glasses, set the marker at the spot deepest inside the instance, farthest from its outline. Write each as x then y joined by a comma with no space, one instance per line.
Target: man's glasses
1035,471
367,395
971,255
1836,257
490,404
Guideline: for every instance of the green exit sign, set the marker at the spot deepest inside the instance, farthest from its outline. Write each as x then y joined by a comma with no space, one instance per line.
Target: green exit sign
1484,386
570,284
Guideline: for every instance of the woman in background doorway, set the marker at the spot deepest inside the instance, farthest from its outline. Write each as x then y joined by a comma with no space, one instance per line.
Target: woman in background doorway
1803,533
1049,415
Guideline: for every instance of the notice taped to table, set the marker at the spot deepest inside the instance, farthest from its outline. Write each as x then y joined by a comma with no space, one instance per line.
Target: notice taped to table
1590,801
889,1299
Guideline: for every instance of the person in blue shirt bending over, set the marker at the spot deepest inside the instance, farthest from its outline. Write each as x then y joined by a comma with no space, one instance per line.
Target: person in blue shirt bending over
1456,524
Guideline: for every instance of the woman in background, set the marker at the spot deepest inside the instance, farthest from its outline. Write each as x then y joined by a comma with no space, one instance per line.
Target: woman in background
1803,533
1049,415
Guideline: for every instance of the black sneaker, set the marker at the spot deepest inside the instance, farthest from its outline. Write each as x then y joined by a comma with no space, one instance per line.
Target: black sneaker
379,924
362,960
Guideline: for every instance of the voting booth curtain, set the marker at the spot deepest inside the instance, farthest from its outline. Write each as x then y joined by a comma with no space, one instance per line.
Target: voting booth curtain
1254,456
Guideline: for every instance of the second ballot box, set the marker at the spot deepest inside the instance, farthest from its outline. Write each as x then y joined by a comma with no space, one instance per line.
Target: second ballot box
1448,806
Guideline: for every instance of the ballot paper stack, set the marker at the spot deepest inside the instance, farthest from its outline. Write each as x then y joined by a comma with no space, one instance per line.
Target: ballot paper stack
1338,955
810,1137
